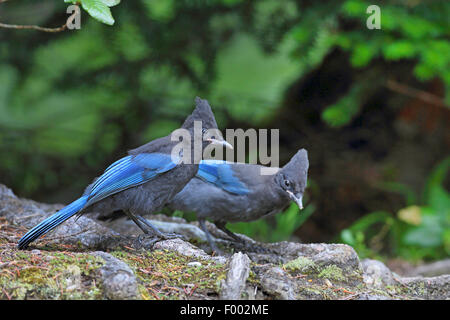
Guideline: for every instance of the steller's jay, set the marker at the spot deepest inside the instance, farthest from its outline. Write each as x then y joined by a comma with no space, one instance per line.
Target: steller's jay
140,183
233,192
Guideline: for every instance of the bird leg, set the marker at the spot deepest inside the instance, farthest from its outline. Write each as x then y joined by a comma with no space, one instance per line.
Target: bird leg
136,221
211,242
221,226
247,244
149,229
163,235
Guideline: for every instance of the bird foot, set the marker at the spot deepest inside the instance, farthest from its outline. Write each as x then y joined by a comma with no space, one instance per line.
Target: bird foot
147,241
254,247
150,229
169,235
241,245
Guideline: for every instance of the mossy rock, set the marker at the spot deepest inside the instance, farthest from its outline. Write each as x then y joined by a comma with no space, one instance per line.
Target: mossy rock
332,272
302,265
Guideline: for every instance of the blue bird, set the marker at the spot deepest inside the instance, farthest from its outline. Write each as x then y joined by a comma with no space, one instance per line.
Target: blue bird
141,182
234,192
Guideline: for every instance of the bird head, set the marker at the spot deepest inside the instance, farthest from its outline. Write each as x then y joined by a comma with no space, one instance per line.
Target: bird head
293,176
202,114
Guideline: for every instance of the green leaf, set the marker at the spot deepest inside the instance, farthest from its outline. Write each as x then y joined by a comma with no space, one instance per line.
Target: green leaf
429,234
367,221
435,194
343,111
160,10
292,219
354,8
347,237
111,3
423,71
362,54
400,188
446,239
99,9
399,50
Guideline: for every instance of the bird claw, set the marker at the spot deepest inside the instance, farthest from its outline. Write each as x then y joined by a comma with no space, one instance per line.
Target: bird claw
150,229
248,246
169,235
148,240
240,245
145,241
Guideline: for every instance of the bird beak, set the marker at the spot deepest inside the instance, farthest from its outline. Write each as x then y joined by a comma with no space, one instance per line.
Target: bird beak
220,142
297,198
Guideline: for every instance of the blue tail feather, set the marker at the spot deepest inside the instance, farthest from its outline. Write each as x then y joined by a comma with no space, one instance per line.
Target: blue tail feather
52,222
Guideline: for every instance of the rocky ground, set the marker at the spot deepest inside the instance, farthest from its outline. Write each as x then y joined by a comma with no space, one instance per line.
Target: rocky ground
87,258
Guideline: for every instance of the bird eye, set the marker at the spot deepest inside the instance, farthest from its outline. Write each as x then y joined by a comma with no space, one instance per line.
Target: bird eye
203,130
287,183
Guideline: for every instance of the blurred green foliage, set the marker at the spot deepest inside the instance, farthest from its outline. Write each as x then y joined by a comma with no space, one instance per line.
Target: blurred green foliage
417,232
72,103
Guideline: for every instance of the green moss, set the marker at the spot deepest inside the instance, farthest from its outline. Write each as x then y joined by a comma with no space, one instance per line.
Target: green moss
253,279
165,274
332,272
49,275
301,264
32,275
22,255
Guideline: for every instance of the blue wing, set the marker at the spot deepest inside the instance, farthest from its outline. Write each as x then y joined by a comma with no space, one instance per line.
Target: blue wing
220,173
128,172
125,173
